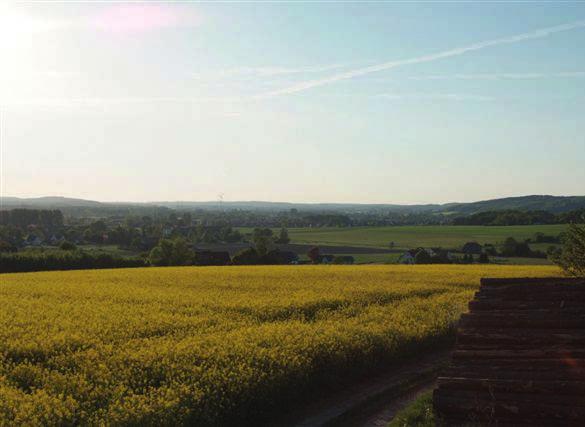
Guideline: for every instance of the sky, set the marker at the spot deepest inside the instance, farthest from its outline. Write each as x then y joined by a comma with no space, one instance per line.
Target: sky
365,102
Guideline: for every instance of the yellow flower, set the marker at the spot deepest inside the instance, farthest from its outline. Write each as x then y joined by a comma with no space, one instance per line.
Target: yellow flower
189,345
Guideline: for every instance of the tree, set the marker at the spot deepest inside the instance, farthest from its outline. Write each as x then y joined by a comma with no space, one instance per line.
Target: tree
187,218
263,240
171,252
98,227
314,255
283,236
7,247
490,249
261,232
553,251
247,256
513,248
228,235
572,256
522,249
181,254
11,234
422,257
483,258
136,244
262,245
509,247
343,259
467,259
158,256
67,246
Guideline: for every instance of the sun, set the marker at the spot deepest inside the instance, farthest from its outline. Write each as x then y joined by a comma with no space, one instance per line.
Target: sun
22,32
16,25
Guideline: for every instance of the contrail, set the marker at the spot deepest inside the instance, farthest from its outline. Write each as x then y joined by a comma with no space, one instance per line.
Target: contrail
537,34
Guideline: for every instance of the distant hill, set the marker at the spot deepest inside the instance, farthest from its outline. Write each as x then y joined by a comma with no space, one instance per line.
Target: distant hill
554,204
48,202
285,206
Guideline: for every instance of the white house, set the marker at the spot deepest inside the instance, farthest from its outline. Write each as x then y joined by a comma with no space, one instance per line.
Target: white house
33,240
407,257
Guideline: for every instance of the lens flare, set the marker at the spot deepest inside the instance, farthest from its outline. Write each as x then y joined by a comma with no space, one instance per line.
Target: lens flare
140,18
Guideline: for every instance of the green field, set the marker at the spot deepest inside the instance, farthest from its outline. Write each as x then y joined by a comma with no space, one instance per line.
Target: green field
405,237
408,237
390,258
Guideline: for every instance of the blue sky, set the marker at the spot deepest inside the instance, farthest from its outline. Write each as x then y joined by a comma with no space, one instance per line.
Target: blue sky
396,102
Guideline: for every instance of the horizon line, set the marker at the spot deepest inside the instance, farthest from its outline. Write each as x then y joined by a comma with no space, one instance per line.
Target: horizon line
155,202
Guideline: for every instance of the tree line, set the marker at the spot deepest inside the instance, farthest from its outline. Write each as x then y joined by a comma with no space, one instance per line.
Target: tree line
12,262
22,218
517,217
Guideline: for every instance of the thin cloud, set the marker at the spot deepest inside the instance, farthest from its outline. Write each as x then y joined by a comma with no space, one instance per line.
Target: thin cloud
434,97
263,75
500,76
278,71
540,33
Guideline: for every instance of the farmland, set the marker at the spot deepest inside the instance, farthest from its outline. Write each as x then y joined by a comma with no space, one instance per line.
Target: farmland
405,237
348,240
213,345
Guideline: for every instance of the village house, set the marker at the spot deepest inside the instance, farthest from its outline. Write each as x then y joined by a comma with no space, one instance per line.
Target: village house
33,240
472,248
326,259
55,240
435,255
407,257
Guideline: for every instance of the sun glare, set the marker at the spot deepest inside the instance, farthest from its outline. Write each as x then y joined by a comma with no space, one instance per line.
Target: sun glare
16,25
136,18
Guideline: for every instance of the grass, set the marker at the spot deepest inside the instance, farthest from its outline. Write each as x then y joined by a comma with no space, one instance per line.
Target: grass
108,249
389,258
405,237
522,261
217,345
419,413
113,250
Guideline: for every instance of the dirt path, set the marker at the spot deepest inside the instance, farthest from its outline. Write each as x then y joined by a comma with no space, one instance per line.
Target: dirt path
384,416
375,400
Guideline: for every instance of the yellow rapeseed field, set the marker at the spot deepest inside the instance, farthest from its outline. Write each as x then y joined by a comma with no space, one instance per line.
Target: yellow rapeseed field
206,346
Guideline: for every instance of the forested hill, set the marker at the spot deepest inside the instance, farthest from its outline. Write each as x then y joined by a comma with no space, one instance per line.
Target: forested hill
553,204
